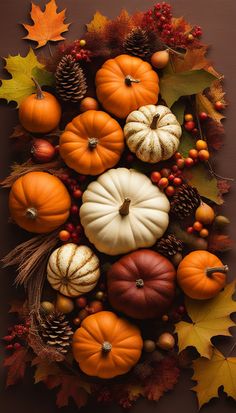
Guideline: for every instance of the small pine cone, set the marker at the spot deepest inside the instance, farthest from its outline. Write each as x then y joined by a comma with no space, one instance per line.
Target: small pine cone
137,43
56,332
185,201
169,246
71,84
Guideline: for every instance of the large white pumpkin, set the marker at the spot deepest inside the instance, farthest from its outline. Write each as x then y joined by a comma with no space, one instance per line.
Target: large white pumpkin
123,211
73,270
152,133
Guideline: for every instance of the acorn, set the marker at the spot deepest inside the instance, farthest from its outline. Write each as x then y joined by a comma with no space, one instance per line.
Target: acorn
221,221
160,59
64,304
46,307
166,341
149,346
42,151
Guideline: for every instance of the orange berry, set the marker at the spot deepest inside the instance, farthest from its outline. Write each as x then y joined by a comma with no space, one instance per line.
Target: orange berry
155,176
203,155
193,153
189,162
163,183
197,226
219,105
188,117
177,181
201,144
170,190
64,235
177,155
204,233
180,163
165,317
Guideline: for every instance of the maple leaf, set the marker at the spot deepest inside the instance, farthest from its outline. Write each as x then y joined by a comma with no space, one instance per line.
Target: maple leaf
216,92
215,134
219,243
206,183
205,105
22,69
210,318
16,365
175,85
211,374
48,24
193,59
44,369
98,23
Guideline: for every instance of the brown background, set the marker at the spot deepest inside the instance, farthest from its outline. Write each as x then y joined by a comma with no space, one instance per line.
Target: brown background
217,18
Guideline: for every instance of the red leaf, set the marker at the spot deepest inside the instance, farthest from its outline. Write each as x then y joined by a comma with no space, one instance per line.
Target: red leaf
16,365
219,243
163,379
70,386
215,134
224,186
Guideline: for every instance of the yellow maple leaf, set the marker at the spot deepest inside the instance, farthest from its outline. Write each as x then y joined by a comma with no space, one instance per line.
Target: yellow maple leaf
48,24
213,373
210,318
205,105
97,23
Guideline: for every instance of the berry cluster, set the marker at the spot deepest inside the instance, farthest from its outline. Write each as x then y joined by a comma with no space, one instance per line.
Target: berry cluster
198,227
17,336
87,308
159,19
76,49
168,179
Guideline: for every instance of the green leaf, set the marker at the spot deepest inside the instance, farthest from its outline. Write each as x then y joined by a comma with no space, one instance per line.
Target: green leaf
178,109
187,142
22,69
173,86
206,184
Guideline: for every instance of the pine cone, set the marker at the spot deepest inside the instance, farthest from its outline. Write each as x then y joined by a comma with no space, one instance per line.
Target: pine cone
185,201
71,84
137,43
56,332
169,246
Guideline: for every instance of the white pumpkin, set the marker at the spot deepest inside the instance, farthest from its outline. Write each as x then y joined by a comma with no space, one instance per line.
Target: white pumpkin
123,211
152,133
73,270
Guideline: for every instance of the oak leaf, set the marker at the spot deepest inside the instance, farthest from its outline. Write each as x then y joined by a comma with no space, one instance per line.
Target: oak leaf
212,374
205,105
48,24
44,369
22,69
16,364
98,23
209,318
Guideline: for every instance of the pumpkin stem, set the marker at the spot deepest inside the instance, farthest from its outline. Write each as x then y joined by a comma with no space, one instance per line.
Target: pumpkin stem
129,80
154,121
211,270
92,143
106,347
124,209
31,213
139,283
39,92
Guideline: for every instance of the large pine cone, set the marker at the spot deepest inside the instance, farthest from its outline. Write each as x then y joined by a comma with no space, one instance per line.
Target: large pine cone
185,201
169,246
56,332
137,43
71,84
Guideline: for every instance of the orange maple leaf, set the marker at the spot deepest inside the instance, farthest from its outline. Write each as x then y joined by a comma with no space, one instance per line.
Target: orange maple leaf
48,24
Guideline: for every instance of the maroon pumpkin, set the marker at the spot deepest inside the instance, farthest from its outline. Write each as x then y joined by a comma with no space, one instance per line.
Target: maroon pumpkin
141,284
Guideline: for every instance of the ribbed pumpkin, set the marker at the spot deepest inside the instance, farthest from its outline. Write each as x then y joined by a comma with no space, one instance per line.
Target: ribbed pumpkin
73,270
92,143
201,275
141,284
106,345
152,133
123,211
39,202
125,83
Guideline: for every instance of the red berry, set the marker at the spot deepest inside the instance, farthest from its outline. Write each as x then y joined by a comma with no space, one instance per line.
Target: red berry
163,183
64,235
189,162
171,177
219,105
203,116
193,153
155,176
181,309
195,131
180,163
70,227
165,172
190,230
203,155
17,346
77,193
129,158
76,321
74,210
189,126
170,190
177,181
64,177
174,168
81,301
79,229
177,155
75,237
8,338
9,347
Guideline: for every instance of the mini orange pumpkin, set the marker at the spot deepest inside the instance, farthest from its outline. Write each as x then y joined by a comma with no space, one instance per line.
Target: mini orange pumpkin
92,143
106,345
40,112
201,275
39,202
125,83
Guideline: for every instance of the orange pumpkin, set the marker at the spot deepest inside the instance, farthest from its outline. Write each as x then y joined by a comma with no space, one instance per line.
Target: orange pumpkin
40,112
106,345
39,202
125,83
92,143
201,275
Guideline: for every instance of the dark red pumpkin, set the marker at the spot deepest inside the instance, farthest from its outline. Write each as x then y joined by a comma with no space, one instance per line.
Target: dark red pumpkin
141,284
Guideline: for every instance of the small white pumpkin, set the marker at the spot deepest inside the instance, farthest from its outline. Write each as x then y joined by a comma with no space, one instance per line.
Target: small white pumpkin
73,270
152,133
123,211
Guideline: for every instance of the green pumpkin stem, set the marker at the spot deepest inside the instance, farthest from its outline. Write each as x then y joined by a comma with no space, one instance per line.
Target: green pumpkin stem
31,213
92,143
106,347
211,270
129,80
154,121
124,209
39,92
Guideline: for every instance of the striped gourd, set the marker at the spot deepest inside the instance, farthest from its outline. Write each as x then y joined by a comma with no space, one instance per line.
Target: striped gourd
73,270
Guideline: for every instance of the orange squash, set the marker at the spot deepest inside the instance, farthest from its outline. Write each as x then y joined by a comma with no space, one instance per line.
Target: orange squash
201,275
40,112
125,83
92,143
106,345
39,202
